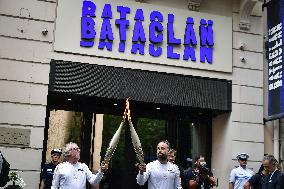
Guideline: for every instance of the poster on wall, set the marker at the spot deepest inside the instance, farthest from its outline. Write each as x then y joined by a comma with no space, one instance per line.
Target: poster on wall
275,17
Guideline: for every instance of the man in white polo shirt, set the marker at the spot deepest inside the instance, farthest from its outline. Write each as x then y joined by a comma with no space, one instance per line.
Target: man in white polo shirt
240,175
72,174
160,173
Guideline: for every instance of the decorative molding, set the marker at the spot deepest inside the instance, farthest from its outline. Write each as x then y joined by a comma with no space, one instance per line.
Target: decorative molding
194,5
246,7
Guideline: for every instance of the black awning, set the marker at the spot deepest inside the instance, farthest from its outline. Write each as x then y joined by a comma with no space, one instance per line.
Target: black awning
107,82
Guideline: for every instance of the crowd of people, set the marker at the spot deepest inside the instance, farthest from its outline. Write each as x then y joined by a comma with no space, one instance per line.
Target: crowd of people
162,173
269,175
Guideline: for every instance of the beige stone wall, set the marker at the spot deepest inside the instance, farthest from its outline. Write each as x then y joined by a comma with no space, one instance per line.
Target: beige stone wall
59,130
98,141
24,78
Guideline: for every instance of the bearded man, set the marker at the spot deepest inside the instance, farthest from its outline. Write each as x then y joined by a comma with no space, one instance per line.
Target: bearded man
160,173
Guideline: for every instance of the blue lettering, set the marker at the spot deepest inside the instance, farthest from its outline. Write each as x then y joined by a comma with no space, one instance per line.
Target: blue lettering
123,25
88,9
103,44
156,15
88,32
189,53
155,52
106,30
106,35
171,36
139,15
171,54
156,26
138,32
206,33
189,36
206,53
121,47
107,13
156,36
123,11
136,47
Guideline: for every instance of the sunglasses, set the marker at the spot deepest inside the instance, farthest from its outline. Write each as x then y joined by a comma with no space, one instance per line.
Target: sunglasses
76,149
243,159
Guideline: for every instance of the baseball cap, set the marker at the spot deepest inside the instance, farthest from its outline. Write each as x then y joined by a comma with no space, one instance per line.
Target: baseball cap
242,156
56,150
188,159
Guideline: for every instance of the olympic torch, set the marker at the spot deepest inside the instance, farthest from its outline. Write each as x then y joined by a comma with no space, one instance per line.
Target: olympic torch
113,144
135,139
136,143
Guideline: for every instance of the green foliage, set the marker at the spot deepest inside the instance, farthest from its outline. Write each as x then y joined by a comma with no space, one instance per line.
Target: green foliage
150,132
13,176
76,125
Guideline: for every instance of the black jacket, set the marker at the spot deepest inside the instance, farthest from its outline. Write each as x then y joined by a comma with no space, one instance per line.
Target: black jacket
274,182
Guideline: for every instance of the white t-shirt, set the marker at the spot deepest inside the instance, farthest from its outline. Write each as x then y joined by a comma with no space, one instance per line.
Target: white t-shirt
239,176
160,176
73,176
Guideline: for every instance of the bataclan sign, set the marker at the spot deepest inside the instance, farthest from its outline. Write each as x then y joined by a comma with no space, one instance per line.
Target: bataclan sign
138,38
143,33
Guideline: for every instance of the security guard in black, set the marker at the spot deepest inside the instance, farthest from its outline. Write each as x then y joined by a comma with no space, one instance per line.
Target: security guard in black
48,170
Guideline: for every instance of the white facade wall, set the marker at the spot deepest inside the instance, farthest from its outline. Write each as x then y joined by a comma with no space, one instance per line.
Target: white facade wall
24,75
242,130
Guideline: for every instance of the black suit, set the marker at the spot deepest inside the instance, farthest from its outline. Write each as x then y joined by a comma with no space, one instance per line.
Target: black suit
274,182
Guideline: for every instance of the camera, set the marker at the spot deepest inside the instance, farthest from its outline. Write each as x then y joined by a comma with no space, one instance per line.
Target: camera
204,169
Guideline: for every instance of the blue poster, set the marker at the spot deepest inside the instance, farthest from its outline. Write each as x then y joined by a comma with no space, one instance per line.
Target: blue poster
275,17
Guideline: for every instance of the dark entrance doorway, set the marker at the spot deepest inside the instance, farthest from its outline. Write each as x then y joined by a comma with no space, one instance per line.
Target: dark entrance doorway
183,104
178,131
188,132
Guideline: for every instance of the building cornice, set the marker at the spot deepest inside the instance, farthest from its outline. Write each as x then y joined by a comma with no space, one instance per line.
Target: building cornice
246,7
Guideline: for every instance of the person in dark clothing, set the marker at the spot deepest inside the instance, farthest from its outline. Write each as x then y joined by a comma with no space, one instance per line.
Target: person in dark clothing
275,179
256,181
200,177
186,172
172,158
48,169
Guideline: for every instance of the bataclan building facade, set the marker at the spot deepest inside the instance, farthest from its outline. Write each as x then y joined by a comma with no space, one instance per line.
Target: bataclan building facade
193,70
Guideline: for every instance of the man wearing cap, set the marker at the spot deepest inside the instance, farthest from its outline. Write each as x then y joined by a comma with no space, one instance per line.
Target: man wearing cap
240,175
48,169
